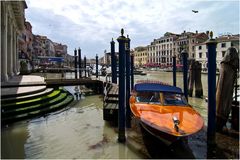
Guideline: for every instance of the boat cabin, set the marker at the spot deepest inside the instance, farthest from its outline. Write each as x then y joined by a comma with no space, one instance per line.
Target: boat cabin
154,93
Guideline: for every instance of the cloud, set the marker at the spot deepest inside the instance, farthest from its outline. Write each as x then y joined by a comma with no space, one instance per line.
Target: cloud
92,24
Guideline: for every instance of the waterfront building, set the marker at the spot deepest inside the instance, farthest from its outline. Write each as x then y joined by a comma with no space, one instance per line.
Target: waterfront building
187,40
60,49
49,48
12,23
38,45
69,61
25,40
140,56
223,43
29,39
106,59
161,50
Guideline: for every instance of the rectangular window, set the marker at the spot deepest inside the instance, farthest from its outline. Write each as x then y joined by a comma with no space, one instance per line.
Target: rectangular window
193,55
223,53
199,47
223,45
200,54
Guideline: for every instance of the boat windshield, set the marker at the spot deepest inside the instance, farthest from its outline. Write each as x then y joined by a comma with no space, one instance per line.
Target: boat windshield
148,97
174,99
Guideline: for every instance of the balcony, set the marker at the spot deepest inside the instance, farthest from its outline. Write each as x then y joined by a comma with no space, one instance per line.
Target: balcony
22,38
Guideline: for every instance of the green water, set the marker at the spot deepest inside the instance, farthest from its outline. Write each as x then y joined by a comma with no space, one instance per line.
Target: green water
81,132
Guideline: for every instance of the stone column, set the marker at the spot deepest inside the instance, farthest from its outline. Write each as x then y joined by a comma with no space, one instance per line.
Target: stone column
4,76
14,52
17,56
10,48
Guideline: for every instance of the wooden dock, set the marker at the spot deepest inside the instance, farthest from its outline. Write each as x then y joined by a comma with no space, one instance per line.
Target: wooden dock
110,103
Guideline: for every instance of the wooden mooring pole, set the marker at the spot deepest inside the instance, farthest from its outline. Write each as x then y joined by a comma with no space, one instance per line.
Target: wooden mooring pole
185,72
85,66
225,87
113,62
191,78
198,80
132,73
121,93
211,128
128,111
79,63
96,66
75,63
174,70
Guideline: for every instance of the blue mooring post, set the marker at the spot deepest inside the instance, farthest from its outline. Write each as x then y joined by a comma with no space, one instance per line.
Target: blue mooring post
96,66
128,111
185,72
75,63
132,73
211,128
174,70
85,66
114,63
80,63
121,90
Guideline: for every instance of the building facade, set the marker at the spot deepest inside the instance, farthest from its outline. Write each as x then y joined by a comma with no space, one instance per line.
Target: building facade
12,24
140,56
223,43
187,40
161,50
106,59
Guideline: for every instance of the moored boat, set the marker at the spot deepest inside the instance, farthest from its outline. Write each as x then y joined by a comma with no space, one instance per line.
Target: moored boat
163,111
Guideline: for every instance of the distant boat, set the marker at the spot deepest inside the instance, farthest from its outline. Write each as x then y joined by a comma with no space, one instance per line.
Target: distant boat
163,111
139,72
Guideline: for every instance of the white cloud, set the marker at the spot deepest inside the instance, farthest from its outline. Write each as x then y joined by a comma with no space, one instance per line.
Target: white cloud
77,22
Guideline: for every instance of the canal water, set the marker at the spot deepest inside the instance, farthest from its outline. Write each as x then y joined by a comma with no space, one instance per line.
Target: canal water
79,131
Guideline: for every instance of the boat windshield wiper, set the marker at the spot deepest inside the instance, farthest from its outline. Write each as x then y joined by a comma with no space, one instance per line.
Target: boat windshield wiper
151,99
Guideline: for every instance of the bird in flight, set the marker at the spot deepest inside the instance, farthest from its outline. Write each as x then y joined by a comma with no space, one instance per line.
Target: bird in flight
194,11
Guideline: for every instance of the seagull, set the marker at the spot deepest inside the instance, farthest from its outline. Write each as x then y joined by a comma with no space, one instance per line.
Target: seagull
194,11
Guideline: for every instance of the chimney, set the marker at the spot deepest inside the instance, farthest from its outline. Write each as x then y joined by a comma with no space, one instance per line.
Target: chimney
196,31
207,33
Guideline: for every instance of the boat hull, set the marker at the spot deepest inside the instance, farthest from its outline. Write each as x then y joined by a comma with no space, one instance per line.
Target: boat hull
158,121
167,139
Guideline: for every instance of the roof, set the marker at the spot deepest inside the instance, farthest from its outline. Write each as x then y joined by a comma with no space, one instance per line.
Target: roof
140,87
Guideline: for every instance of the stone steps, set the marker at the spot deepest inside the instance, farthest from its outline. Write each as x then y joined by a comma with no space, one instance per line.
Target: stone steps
26,97
11,92
26,106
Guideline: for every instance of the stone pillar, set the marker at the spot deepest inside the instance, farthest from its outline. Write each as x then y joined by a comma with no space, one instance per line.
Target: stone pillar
14,52
9,49
12,48
17,55
4,76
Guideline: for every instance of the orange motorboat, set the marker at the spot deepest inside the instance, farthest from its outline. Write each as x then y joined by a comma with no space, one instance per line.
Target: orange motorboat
163,111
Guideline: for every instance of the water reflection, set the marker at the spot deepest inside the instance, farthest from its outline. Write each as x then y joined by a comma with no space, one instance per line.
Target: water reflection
79,132
13,140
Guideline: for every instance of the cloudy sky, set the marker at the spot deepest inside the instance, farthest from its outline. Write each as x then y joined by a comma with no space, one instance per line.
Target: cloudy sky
91,24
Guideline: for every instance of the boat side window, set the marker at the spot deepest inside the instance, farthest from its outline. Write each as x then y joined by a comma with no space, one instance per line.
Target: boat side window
174,99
